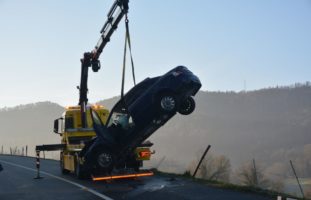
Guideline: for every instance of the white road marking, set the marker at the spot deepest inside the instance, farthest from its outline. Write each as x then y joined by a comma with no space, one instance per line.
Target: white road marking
62,179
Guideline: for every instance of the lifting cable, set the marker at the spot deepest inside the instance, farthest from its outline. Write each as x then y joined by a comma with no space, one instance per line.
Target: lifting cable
127,42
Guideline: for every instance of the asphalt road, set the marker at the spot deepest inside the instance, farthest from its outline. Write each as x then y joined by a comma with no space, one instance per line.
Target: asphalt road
17,182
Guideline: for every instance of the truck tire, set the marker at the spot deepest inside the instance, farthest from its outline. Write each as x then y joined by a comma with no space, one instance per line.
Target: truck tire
137,165
105,161
78,172
133,163
62,168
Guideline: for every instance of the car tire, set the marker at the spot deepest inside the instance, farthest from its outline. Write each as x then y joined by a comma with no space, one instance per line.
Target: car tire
167,102
187,106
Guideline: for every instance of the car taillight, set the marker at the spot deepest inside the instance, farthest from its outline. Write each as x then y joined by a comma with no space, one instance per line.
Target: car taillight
144,154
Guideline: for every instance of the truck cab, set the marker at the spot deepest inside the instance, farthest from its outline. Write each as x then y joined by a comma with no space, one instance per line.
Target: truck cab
73,135
74,138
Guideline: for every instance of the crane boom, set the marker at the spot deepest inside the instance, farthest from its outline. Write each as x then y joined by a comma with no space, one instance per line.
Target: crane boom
90,59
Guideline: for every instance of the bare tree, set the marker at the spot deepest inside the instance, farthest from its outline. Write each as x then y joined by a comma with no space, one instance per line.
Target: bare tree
214,168
251,175
221,169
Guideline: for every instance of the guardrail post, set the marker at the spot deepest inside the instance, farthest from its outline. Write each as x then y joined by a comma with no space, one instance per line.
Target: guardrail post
38,165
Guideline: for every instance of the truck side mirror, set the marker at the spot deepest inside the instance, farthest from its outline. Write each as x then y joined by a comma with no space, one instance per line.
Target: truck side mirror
58,124
56,127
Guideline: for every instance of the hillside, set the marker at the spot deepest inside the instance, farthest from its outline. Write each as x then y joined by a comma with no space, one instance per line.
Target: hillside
271,125
29,124
264,125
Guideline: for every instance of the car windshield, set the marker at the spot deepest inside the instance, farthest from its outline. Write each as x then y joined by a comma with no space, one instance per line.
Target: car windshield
121,120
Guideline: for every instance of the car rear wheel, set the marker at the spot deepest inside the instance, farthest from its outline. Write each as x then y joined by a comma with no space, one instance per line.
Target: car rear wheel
168,102
187,106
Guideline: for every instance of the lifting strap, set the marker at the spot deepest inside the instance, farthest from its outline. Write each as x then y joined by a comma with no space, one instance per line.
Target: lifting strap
127,42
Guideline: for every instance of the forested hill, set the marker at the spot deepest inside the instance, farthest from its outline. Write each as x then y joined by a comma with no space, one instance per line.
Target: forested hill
269,124
29,124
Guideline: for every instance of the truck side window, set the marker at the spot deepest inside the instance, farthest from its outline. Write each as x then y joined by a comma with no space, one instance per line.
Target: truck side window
69,123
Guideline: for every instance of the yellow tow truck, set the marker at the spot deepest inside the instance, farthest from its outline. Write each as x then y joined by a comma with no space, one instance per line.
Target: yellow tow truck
75,126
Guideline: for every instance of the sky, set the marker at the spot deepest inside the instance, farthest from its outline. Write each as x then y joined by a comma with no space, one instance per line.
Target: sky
229,45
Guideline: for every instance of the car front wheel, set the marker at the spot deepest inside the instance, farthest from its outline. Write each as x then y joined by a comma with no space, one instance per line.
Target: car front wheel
168,103
187,106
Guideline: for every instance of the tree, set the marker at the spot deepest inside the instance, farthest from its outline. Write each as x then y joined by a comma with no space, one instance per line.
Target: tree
216,168
251,175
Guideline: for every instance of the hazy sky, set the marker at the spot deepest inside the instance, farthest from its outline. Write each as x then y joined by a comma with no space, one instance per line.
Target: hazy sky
225,42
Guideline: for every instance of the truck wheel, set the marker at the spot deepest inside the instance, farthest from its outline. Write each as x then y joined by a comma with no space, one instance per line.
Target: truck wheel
105,161
187,106
167,102
79,174
137,165
62,168
134,164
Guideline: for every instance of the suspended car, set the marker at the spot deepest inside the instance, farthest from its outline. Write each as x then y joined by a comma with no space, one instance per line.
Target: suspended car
146,107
